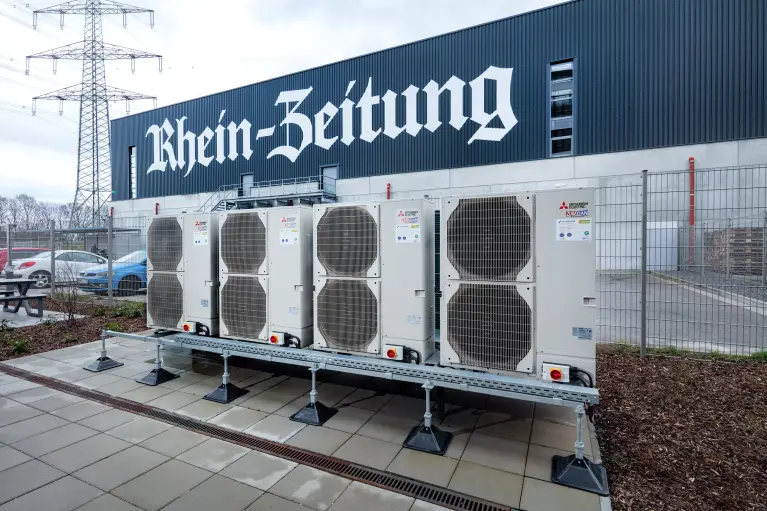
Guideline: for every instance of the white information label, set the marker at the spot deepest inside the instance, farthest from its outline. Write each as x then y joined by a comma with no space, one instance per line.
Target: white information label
408,226
574,229
288,236
200,233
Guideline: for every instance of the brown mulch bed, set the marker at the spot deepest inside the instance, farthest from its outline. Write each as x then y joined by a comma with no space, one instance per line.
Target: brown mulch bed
45,337
683,434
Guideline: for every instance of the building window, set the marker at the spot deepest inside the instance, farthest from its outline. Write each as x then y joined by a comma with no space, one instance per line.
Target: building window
562,112
132,164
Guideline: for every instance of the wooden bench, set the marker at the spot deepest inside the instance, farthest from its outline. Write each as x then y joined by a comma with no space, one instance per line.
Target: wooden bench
24,300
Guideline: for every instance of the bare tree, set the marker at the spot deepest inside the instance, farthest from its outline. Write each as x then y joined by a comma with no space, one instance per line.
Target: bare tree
28,209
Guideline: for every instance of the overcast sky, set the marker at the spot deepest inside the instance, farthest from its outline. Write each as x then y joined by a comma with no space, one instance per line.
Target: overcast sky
206,46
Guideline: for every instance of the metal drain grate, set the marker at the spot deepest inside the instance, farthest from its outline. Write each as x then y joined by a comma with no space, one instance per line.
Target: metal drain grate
382,479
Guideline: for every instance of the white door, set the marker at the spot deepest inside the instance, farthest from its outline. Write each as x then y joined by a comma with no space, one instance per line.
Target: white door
66,267
85,260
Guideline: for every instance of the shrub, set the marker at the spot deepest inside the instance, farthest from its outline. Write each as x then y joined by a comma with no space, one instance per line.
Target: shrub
115,327
48,320
5,324
759,356
18,346
99,311
128,310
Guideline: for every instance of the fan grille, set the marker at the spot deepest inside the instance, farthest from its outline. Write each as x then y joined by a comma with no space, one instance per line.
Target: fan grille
164,244
243,307
165,299
347,241
347,314
243,243
489,326
488,238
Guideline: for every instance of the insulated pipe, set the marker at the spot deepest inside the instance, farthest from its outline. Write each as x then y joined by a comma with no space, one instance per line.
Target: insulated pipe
156,208
388,191
691,163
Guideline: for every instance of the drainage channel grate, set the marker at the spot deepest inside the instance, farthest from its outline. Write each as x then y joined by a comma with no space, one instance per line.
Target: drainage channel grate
380,478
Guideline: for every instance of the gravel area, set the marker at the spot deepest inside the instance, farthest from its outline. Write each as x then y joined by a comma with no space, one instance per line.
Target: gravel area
679,434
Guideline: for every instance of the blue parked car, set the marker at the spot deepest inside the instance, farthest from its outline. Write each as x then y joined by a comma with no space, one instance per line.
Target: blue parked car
129,275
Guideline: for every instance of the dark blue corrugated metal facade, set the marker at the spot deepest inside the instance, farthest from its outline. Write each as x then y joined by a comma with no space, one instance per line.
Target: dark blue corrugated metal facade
649,73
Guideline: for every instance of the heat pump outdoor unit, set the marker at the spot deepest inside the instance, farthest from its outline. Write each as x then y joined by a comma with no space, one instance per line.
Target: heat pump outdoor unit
265,274
373,266
518,277
182,259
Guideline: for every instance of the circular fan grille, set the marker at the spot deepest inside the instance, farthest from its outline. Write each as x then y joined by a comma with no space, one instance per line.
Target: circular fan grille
347,314
489,326
347,241
243,243
164,244
488,238
165,300
243,307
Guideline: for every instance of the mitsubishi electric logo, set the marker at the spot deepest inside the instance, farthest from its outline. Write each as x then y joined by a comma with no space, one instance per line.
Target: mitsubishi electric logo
190,148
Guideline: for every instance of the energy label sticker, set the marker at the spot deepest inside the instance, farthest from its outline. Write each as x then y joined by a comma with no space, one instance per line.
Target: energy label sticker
288,236
574,229
200,233
407,228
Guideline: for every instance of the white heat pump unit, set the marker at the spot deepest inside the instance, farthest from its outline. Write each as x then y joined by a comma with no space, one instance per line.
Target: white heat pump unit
182,284
518,279
374,276
266,275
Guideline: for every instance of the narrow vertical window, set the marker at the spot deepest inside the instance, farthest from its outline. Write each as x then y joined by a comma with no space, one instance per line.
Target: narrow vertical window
132,166
561,115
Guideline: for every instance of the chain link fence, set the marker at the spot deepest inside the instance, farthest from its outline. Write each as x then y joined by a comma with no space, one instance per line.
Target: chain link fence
700,283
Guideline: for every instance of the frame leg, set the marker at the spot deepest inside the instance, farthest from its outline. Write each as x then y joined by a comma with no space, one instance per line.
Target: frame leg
103,362
575,470
226,392
315,413
425,437
157,375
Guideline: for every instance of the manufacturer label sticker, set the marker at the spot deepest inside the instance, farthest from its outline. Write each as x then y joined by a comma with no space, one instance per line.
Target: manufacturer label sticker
200,233
288,236
582,333
407,228
289,222
574,230
577,213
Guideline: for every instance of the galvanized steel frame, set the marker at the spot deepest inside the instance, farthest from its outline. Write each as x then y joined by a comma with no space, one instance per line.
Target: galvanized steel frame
525,389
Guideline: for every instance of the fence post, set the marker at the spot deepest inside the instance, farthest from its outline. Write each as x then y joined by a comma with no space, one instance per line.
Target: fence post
703,254
53,259
727,248
764,250
110,254
643,319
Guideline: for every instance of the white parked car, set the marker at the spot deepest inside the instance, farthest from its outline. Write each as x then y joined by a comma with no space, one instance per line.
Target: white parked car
69,264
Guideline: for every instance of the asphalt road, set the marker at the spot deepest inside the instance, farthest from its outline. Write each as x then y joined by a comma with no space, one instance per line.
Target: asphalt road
680,315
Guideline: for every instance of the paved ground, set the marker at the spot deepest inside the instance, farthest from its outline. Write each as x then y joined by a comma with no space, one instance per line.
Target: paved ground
20,319
59,452
679,315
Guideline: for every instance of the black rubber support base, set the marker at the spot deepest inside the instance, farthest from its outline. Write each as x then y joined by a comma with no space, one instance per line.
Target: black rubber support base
157,376
225,393
314,414
102,364
432,440
581,474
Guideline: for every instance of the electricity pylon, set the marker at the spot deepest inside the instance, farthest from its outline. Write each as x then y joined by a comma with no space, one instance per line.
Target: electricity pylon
94,173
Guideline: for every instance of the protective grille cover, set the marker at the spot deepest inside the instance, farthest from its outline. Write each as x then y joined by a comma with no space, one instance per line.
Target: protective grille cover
243,306
165,300
488,238
347,314
347,241
164,244
489,326
243,243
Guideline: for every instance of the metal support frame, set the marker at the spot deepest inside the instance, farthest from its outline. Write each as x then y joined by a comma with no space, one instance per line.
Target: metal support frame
157,375
103,362
576,471
315,413
426,437
227,391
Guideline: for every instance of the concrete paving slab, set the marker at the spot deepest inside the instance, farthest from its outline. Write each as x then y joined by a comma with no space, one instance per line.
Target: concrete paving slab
319,439
269,502
213,454
275,428
30,427
219,493
120,468
204,410
487,483
10,457
387,428
11,414
86,452
56,402
138,430
173,441
65,494
108,420
238,418
366,399
311,487
423,467
172,400
108,502
80,411
30,396
17,386
368,451
161,485
25,478
349,419
362,496
259,470
53,440
506,455
540,495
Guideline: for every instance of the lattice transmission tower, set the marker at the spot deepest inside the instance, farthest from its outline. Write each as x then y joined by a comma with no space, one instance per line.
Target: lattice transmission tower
94,174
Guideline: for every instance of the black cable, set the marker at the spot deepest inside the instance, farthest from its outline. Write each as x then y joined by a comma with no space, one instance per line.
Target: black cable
575,370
